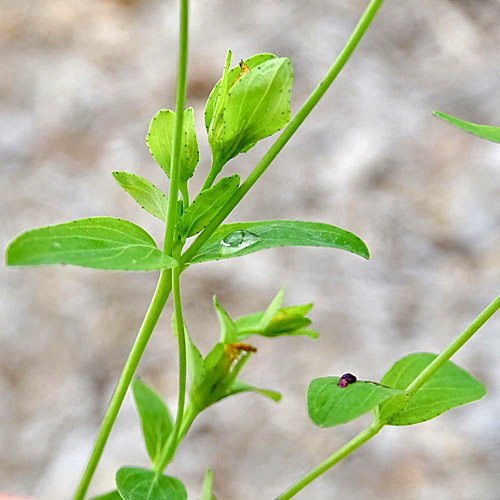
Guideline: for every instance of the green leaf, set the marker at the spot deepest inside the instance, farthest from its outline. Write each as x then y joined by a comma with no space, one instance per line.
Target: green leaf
227,327
155,419
239,386
112,495
143,484
232,74
329,405
272,310
149,197
450,386
206,205
160,139
250,107
484,131
206,494
96,242
243,238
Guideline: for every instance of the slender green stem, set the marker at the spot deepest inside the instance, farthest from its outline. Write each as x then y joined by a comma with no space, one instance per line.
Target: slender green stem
158,302
172,213
290,129
352,445
169,449
419,381
431,369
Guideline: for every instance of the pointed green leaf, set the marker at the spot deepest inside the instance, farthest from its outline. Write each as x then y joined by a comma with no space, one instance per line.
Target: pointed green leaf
155,419
143,484
227,327
149,197
242,238
206,494
96,242
329,405
112,495
271,311
206,205
239,386
450,386
484,131
255,105
160,139
233,73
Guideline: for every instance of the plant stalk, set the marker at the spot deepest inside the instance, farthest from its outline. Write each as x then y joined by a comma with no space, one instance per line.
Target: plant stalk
289,130
156,307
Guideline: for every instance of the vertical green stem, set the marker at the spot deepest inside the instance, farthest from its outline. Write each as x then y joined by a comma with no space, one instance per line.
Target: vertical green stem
158,302
169,449
290,129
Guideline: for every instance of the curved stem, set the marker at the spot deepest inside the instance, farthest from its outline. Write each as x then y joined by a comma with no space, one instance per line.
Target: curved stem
169,449
438,362
290,129
352,445
158,302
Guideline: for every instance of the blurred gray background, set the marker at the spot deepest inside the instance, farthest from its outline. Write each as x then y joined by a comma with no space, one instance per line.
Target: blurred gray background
80,81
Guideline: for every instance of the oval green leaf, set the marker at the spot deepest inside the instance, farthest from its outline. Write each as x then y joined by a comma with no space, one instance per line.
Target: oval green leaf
242,238
155,420
329,405
449,387
96,242
143,484
254,105
206,205
160,138
149,197
484,131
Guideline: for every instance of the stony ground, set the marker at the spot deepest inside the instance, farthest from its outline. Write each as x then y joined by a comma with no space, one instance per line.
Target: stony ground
80,82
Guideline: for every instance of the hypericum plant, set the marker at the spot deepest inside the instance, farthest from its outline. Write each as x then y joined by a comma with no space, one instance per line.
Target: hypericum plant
250,102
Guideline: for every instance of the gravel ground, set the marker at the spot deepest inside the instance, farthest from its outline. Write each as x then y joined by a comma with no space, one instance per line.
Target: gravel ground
80,81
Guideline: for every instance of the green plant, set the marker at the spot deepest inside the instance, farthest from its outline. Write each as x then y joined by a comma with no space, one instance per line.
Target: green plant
249,103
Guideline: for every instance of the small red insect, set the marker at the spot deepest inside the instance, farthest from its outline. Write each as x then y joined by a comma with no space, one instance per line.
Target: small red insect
346,379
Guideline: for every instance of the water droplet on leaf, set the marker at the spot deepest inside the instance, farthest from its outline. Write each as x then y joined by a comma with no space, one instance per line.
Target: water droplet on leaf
237,240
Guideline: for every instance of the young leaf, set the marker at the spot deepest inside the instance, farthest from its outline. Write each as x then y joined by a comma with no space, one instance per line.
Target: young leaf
484,131
160,138
143,484
155,419
206,205
239,386
232,75
253,106
242,238
206,494
450,386
272,310
149,197
96,242
329,405
227,327
112,495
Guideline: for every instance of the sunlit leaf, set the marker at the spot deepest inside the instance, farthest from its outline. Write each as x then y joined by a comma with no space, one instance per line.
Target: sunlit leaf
206,494
149,197
160,139
329,405
484,131
450,386
228,328
143,484
112,495
206,205
155,419
242,238
96,242
253,105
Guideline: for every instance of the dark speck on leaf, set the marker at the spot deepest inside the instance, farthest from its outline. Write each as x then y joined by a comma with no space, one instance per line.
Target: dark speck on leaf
346,379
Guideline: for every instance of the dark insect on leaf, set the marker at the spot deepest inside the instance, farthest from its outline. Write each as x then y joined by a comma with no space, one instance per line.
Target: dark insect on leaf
346,379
